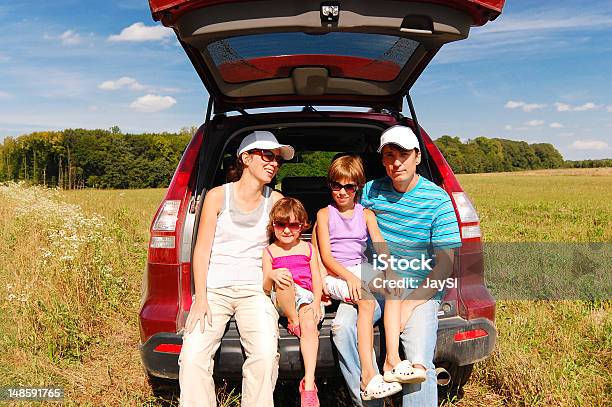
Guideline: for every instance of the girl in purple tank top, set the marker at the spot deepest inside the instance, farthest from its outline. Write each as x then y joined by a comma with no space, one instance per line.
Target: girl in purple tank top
341,236
288,265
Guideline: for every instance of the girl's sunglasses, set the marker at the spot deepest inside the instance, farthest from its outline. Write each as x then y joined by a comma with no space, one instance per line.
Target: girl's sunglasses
293,226
268,155
349,188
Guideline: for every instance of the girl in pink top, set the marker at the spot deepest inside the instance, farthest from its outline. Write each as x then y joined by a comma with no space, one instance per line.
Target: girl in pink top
288,265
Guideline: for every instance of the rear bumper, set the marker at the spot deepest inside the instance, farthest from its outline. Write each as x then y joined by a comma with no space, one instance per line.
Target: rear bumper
229,358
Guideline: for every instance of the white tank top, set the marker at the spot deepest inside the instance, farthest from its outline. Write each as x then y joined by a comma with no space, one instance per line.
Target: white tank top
236,254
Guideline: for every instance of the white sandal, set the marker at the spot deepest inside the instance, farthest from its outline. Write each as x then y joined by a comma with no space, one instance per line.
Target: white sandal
405,373
377,388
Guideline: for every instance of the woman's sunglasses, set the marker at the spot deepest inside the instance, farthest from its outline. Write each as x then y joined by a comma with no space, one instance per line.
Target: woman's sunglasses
293,226
268,155
349,188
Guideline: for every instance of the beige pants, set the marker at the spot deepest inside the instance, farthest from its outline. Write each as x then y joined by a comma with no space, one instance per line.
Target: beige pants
257,321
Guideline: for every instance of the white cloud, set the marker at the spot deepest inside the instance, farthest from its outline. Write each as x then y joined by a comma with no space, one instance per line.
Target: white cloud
507,127
139,32
526,107
586,106
152,103
556,125
534,123
4,95
511,104
529,107
589,145
564,107
124,81
70,38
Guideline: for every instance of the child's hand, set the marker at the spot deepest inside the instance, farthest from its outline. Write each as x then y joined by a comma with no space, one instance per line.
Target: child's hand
354,286
396,291
325,298
282,277
316,311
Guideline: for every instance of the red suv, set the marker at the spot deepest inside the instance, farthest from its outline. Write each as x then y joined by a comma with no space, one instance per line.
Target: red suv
275,53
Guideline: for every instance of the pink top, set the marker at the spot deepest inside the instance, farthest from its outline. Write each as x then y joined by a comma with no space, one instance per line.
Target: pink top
298,265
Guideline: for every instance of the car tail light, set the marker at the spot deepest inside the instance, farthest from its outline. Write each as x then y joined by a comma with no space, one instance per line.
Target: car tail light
471,232
166,228
466,210
467,216
469,335
163,242
167,217
168,348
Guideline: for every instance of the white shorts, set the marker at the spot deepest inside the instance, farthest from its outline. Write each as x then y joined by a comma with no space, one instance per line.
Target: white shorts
338,288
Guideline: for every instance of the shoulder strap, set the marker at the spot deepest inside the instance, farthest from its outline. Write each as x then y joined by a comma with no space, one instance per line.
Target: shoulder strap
228,191
269,252
267,196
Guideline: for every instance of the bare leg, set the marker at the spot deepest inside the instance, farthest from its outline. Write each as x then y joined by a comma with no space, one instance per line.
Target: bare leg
393,329
365,339
309,345
285,300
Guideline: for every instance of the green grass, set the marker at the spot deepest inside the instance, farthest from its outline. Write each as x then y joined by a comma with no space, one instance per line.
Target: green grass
71,265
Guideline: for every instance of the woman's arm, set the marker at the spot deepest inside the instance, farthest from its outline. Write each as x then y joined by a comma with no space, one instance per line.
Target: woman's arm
201,257
267,271
331,264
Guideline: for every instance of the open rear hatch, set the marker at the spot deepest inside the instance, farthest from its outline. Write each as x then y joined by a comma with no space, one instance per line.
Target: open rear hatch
262,53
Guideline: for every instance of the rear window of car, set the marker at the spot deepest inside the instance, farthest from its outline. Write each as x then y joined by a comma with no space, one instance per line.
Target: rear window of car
372,57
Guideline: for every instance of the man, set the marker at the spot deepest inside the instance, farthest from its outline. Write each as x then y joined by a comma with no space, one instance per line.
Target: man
412,213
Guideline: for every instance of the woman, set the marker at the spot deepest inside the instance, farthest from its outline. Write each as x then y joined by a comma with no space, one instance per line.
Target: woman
227,263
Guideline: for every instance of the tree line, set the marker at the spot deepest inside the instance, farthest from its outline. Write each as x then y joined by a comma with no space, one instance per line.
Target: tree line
78,158
484,154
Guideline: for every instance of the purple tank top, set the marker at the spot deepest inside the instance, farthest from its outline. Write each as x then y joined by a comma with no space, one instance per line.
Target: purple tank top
348,237
298,265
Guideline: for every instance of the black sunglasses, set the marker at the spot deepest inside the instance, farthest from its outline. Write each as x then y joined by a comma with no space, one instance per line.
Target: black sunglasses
349,188
268,155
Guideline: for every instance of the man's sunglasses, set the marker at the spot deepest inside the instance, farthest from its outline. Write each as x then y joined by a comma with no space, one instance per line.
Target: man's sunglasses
349,188
268,155
293,226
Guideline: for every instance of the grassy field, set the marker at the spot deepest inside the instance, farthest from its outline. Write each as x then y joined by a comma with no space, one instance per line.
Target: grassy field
71,265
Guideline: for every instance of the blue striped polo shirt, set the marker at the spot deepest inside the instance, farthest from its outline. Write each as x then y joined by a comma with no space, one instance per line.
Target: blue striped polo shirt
414,222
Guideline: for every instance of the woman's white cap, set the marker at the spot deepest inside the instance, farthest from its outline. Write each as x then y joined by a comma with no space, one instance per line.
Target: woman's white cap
401,135
266,141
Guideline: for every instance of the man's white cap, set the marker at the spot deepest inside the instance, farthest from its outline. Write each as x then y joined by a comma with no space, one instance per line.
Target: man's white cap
266,141
401,135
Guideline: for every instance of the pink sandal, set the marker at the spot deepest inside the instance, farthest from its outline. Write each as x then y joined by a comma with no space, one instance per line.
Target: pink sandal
308,398
294,329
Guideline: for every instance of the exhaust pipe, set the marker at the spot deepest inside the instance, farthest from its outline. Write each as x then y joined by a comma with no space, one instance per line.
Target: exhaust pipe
442,376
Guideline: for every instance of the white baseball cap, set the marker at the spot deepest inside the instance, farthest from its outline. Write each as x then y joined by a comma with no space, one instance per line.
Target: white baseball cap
401,135
266,141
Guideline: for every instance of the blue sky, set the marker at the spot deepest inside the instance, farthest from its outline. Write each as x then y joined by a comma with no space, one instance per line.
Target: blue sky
541,72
